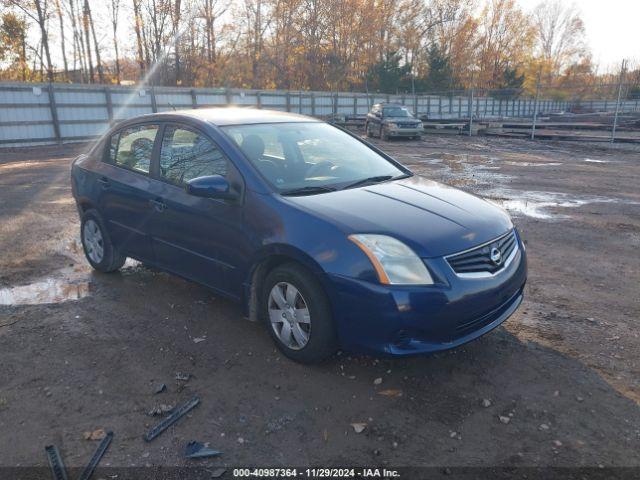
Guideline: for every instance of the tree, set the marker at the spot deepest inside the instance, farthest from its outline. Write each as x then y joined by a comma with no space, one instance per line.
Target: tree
386,75
559,35
440,76
62,40
505,39
13,48
114,12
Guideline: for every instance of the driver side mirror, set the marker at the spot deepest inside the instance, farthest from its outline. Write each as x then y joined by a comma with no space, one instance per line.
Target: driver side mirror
211,186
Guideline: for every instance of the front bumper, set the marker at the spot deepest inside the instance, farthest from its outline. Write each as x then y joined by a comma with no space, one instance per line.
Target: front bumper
408,320
404,132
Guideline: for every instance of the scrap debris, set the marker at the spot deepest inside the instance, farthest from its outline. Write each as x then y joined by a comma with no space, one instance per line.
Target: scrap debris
199,450
58,469
359,427
160,388
171,419
160,410
97,456
390,392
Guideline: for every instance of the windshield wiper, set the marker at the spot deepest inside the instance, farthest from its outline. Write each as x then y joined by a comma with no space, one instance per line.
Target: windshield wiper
370,180
308,190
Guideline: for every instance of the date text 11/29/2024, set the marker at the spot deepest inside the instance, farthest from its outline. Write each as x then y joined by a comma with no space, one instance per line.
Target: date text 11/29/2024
313,473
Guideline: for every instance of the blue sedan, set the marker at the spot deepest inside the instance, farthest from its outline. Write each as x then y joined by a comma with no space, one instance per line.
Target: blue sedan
320,235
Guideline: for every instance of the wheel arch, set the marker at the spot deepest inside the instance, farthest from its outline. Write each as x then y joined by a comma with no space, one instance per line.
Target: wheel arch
268,259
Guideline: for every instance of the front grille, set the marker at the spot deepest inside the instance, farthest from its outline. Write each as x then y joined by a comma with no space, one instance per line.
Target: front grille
407,125
479,259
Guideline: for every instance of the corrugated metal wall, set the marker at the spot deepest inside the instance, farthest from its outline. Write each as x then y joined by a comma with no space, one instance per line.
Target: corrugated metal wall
42,113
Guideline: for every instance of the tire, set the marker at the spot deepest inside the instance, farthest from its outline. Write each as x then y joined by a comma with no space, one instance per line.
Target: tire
384,135
94,235
367,128
321,337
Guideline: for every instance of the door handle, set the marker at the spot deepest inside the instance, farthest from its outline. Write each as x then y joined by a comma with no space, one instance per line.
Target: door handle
104,182
158,205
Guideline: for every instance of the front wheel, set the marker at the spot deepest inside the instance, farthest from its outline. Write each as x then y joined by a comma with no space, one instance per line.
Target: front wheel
384,135
97,244
298,314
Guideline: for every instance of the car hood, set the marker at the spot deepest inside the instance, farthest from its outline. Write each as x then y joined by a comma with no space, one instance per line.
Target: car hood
432,218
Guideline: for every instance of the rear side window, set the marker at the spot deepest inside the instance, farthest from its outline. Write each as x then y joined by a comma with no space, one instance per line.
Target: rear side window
187,154
133,146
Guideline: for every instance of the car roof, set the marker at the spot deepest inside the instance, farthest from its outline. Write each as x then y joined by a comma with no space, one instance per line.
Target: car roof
385,104
238,116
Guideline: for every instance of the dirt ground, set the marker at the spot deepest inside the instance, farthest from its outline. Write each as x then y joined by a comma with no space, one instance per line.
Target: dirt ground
557,385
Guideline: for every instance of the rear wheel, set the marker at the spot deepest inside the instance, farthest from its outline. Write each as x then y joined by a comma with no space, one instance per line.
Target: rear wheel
97,244
298,314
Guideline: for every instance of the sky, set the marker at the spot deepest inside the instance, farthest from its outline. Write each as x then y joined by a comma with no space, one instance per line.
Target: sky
612,28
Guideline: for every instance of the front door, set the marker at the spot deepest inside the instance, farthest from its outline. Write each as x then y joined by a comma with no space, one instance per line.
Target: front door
198,238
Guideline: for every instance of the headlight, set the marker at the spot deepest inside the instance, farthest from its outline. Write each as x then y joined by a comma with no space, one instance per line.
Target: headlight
395,263
420,125
392,125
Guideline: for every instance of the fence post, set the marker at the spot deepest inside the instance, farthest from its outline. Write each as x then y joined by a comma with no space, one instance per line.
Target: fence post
470,110
428,106
313,104
440,106
535,109
355,104
300,102
415,106
288,100
615,117
107,96
54,113
227,95
258,99
194,98
154,105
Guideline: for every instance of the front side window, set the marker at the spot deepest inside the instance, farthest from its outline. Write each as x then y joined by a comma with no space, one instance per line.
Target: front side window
187,154
313,154
134,147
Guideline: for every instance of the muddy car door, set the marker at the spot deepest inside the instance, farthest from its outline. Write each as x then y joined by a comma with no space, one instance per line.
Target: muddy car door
126,189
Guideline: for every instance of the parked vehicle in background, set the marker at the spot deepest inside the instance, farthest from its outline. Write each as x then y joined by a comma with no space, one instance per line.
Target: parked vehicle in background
386,120
332,243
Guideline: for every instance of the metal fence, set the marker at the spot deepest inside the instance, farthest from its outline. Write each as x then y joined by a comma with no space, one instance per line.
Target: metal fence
53,113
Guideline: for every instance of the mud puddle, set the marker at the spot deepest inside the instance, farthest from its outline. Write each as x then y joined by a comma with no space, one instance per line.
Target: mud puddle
67,284
50,290
541,205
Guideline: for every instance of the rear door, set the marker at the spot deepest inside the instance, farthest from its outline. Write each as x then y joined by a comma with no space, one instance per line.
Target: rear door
126,188
198,238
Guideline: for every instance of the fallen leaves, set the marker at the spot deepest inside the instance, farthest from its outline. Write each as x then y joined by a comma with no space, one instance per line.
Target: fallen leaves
98,434
390,392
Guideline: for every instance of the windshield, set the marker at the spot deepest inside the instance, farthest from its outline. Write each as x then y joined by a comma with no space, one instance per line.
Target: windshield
395,112
310,156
